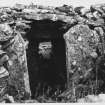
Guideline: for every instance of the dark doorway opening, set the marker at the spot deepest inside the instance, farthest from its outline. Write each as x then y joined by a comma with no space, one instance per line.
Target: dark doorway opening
47,68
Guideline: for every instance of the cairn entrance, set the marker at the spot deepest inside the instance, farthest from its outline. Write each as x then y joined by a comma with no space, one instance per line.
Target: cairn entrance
46,58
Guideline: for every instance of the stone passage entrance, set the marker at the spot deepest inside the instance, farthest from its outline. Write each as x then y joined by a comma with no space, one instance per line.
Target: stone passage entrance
46,58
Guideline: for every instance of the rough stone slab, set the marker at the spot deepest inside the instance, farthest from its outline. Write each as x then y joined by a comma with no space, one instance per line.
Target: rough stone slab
18,68
78,40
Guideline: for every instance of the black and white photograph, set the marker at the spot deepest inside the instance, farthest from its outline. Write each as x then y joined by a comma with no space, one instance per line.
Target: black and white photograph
52,51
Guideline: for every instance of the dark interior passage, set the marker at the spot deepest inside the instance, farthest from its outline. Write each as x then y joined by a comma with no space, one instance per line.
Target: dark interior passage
47,71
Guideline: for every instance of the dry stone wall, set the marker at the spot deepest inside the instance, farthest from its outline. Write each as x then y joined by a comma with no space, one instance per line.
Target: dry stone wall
84,36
